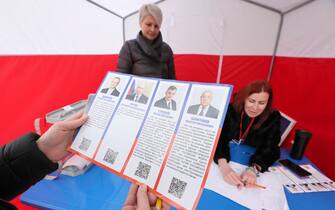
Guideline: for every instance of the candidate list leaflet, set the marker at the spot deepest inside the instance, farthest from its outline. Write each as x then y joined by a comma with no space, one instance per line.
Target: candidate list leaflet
156,132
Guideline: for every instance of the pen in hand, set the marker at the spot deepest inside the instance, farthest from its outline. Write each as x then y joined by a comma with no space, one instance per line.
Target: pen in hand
245,183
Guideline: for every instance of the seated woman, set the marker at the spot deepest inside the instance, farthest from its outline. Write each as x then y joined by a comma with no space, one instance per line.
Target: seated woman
147,55
251,120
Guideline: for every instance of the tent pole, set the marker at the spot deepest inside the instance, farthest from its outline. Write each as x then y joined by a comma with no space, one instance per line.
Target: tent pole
104,8
263,6
298,6
124,30
276,46
219,69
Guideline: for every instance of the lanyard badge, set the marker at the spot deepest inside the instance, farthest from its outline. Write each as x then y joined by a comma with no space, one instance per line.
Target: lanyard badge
242,136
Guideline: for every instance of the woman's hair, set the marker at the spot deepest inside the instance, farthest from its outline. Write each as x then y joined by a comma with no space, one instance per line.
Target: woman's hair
153,10
254,87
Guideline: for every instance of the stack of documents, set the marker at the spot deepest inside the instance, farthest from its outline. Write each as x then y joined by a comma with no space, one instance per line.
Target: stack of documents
317,182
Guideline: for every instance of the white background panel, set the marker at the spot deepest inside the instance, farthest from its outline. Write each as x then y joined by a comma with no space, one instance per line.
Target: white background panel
228,27
249,29
132,26
58,27
214,27
309,31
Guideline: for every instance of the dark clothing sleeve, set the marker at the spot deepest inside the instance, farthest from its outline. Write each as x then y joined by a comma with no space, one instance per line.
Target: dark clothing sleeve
124,64
22,164
268,138
171,68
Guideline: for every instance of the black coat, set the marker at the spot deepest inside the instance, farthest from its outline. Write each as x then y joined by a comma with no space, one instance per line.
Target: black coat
265,139
22,164
141,57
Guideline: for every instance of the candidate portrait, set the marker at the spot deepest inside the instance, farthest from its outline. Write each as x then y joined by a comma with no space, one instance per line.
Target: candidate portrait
204,108
111,90
168,102
138,95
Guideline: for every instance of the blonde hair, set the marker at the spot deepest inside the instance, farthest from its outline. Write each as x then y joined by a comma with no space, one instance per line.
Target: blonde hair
153,10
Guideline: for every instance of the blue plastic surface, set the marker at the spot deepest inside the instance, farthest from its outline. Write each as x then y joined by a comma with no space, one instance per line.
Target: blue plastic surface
100,189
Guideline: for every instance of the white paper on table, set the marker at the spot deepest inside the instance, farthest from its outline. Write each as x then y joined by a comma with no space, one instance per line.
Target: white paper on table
271,198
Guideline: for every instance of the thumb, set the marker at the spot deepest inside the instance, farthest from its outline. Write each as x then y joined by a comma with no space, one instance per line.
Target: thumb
75,123
142,198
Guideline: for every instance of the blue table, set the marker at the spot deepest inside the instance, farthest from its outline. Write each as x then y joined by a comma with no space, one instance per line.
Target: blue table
100,189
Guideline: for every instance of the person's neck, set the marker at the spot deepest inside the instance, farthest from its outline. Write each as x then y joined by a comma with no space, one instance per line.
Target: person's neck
149,41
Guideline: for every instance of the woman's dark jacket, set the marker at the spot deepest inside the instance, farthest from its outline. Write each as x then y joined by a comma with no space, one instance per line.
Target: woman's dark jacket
265,139
147,58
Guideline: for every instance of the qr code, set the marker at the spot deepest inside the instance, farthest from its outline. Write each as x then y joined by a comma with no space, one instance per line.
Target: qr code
110,156
85,144
143,170
177,187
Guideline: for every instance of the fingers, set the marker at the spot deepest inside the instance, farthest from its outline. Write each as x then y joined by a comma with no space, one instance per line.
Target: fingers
142,198
75,123
249,179
132,197
233,179
152,199
237,180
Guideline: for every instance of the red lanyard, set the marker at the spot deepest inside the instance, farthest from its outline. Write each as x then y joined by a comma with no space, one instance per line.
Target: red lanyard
244,135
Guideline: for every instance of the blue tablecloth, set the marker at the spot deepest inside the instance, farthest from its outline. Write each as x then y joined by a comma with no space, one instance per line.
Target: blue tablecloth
100,189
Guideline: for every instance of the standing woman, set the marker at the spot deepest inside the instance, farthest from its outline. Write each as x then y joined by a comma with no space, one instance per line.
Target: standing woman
251,120
147,55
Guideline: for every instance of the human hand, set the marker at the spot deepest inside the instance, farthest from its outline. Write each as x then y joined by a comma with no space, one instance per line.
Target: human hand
229,175
140,199
248,178
59,136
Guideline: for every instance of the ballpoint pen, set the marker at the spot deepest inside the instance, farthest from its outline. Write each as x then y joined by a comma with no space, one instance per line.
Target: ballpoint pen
258,185
254,185
158,204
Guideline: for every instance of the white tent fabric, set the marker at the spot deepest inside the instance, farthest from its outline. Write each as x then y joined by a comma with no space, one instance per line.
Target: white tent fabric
80,27
58,27
309,31
230,27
